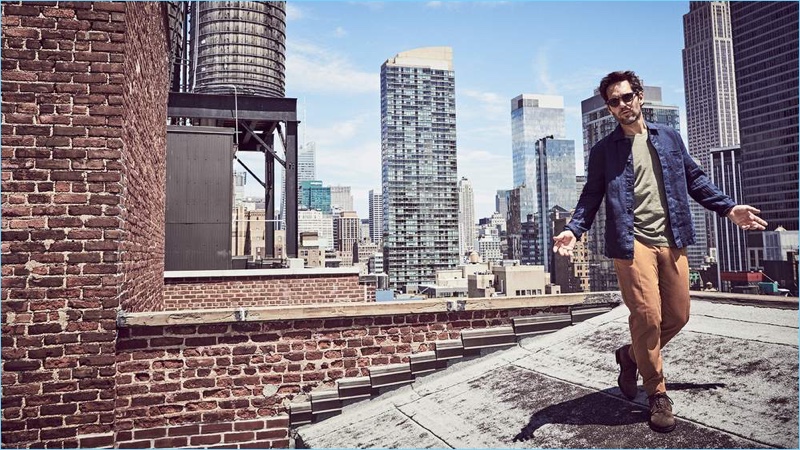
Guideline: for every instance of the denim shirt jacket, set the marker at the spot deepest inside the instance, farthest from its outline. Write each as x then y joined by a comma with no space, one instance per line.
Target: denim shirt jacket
610,175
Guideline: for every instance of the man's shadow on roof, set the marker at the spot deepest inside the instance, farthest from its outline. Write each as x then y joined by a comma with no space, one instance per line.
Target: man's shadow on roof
599,408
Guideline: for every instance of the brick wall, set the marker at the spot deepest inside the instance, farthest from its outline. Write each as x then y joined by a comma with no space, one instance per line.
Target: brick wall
198,385
144,106
67,205
264,290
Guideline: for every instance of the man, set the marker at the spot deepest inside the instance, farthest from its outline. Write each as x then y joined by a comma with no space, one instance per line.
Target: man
646,175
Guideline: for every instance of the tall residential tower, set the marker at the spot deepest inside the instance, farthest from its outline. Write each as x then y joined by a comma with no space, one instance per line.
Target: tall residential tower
418,160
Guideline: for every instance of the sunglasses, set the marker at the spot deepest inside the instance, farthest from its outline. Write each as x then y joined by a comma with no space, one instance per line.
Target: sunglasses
627,98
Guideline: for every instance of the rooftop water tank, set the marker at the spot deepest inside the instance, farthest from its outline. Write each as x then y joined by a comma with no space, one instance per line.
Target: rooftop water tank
241,44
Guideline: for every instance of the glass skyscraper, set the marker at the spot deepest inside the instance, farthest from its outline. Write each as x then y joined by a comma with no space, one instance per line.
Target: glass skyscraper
555,178
313,195
534,118
597,124
418,162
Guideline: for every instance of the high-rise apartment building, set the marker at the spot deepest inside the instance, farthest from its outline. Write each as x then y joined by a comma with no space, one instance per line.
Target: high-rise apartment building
466,218
765,47
711,111
375,217
597,124
418,159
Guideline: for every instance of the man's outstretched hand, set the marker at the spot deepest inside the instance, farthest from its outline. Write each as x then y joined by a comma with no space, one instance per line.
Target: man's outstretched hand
744,216
564,243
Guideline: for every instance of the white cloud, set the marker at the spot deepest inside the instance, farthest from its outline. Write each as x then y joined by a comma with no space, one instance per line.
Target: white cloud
541,67
339,32
434,5
371,5
294,12
310,68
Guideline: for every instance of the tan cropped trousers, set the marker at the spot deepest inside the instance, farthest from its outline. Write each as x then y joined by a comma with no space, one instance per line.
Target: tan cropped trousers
655,288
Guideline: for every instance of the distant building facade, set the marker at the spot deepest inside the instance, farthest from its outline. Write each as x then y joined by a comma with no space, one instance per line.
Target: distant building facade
466,217
375,217
341,198
306,171
726,173
319,222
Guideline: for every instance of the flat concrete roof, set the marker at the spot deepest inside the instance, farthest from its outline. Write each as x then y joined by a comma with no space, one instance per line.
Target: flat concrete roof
732,374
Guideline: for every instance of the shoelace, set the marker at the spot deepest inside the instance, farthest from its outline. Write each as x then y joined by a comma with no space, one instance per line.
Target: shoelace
662,401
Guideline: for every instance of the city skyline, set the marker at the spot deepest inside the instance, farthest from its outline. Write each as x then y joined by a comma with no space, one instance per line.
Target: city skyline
334,52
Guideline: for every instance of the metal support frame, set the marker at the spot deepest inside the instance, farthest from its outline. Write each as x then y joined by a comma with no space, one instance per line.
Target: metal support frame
252,114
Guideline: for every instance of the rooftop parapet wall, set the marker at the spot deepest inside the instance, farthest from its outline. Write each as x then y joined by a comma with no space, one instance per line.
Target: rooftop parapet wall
210,371
213,289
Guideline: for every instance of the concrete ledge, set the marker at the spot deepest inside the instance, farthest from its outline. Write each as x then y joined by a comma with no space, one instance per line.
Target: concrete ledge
766,301
425,362
300,413
488,337
540,324
339,310
354,388
581,314
449,349
325,402
262,273
390,375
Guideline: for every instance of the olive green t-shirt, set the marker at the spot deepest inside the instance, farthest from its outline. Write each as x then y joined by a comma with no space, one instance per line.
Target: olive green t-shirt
650,221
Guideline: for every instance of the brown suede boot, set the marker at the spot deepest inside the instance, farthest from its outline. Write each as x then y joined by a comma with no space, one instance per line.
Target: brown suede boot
661,418
627,373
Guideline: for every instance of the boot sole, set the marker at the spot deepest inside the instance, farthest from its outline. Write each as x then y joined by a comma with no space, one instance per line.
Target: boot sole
661,429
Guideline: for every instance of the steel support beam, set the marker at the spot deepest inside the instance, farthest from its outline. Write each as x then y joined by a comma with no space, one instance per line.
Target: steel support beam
291,189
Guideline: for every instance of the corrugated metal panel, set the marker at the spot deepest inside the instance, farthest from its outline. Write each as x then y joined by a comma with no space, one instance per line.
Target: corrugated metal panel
199,198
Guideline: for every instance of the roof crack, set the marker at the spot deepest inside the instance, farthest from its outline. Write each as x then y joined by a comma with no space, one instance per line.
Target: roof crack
411,418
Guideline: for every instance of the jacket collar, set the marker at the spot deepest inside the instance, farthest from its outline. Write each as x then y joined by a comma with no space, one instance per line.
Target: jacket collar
618,134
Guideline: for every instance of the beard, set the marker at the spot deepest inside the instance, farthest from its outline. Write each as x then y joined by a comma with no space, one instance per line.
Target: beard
627,119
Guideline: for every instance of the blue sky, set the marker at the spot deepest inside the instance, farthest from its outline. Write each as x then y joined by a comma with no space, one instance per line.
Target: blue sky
334,50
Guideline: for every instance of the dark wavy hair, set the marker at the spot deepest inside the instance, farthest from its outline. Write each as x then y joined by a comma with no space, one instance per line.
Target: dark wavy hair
619,76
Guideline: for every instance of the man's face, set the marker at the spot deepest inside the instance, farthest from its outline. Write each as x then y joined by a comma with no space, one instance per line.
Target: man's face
628,112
